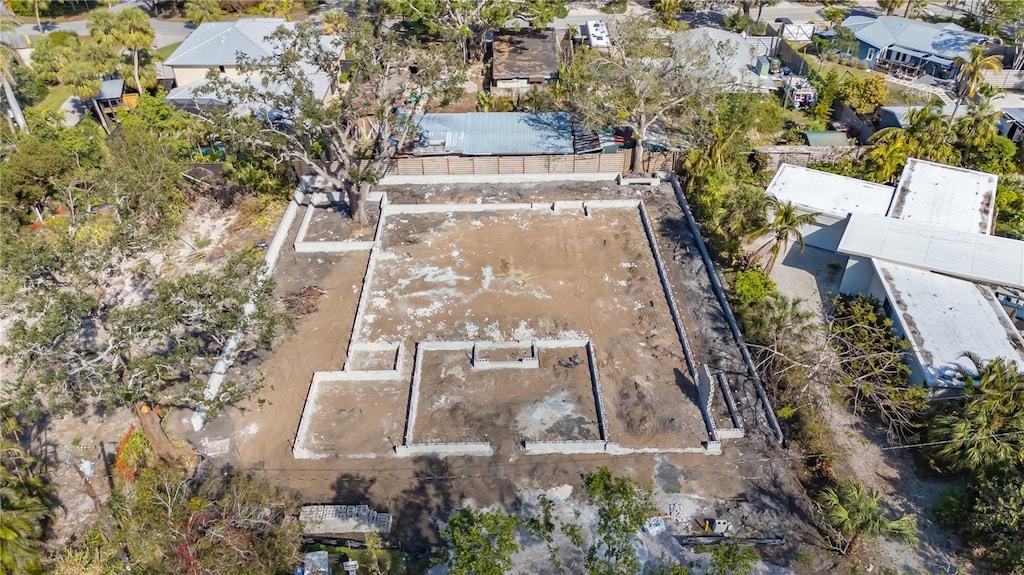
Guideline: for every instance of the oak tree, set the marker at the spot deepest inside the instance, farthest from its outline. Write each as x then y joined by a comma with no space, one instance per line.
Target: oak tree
377,80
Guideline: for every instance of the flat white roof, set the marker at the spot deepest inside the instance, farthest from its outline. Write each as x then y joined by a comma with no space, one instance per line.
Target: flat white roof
971,256
944,317
831,194
945,196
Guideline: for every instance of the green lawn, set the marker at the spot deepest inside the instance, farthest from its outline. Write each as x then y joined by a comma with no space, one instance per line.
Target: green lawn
166,51
55,98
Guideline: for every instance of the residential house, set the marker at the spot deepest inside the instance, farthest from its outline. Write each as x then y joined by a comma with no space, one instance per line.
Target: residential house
216,47
112,97
924,249
1012,124
905,47
524,58
733,58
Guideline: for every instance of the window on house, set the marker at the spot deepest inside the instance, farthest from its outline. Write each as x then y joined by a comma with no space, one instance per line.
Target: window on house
871,54
221,68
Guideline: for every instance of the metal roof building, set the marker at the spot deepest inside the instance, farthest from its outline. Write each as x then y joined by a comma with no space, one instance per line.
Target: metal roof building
496,133
946,41
827,138
220,43
732,56
971,256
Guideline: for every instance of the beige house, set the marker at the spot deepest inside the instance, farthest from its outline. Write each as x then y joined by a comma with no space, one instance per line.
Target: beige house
217,46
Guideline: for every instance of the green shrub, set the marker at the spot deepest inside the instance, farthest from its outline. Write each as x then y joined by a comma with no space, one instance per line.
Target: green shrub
952,508
750,287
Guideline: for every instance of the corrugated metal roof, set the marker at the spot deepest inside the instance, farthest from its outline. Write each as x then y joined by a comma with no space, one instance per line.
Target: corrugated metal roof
948,41
500,133
219,43
971,256
1015,114
827,138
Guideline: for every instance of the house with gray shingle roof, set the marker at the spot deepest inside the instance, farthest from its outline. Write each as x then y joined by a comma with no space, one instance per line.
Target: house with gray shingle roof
905,47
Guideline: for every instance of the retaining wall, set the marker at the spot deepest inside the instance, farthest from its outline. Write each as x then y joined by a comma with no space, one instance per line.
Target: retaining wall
595,382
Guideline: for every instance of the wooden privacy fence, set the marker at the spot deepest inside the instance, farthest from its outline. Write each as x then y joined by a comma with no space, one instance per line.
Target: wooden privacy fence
471,165
614,163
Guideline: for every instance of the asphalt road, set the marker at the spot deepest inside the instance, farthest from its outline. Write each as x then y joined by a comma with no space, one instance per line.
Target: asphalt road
174,32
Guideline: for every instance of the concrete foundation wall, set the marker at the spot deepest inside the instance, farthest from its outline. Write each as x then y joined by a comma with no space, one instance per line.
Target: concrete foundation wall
667,288
299,449
479,362
445,449
564,447
737,429
595,382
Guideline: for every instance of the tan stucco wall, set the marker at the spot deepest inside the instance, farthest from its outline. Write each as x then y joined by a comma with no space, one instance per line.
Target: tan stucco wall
186,75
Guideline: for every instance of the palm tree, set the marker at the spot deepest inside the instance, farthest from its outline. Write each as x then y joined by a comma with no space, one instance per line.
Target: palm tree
778,320
101,26
81,76
785,224
21,529
136,34
854,511
24,502
40,5
201,11
979,127
972,72
986,432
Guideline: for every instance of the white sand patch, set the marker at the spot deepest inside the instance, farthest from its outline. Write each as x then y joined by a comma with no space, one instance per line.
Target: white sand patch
539,416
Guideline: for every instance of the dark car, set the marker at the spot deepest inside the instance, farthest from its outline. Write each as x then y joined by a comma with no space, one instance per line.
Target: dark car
783,20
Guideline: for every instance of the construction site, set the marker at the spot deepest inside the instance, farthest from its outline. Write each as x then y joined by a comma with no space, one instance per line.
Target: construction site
475,342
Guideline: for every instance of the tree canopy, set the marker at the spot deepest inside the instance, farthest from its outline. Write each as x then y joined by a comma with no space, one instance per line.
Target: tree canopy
384,81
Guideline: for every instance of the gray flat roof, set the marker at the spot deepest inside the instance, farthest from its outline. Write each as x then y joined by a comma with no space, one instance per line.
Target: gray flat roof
943,317
945,196
971,256
826,193
498,133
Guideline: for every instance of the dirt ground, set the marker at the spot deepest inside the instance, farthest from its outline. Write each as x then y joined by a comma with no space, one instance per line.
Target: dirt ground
865,454
524,275
751,483
550,403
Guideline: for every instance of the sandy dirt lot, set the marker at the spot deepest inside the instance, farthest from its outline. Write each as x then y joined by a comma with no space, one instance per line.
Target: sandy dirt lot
524,275
550,403
750,483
